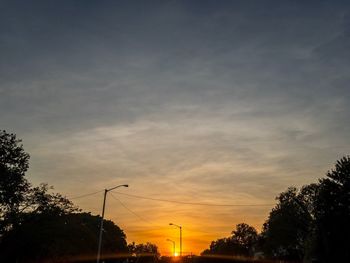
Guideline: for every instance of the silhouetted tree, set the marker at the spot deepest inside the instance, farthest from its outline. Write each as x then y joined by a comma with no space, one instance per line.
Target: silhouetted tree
289,228
143,253
46,237
39,200
17,196
222,246
38,226
332,213
241,243
245,236
143,249
13,185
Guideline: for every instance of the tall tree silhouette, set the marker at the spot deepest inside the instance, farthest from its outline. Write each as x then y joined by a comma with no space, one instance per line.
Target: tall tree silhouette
13,185
332,212
289,228
245,236
39,226
17,196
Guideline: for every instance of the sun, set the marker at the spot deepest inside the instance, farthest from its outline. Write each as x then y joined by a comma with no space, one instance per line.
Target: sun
176,254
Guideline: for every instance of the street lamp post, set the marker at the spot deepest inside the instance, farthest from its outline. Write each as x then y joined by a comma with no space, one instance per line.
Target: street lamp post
180,227
103,214
172,241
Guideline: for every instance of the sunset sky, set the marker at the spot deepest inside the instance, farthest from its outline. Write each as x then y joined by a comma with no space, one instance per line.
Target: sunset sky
211,102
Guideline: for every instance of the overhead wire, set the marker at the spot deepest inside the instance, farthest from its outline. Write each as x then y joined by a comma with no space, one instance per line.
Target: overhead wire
188,203
132,212
147,221
161,200
136,215
168,200
85,195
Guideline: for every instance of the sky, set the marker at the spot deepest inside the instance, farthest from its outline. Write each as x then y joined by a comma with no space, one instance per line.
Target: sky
211,102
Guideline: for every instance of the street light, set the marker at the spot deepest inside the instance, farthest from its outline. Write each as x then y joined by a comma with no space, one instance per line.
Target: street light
172,241
103,214
180,227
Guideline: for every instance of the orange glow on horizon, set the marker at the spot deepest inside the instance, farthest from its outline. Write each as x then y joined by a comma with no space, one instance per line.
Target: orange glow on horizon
149,220
196,236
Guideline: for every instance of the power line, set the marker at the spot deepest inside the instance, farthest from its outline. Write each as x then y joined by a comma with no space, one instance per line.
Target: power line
85,195
188,203
139,217
166,200
151,224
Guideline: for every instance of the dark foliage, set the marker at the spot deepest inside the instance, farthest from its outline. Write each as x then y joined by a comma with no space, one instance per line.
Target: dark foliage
241,243
13,185
17,196
39,226
313,223
287,232
143,253
310,224
65,238
143,249
332,214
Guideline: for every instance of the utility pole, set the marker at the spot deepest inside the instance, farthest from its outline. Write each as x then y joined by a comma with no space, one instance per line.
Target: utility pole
103,214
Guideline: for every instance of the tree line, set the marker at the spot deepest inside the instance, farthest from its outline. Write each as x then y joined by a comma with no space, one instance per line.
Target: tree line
310,224
37,225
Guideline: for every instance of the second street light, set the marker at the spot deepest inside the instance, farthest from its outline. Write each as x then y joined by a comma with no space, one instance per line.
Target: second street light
180,227
172,241
103,214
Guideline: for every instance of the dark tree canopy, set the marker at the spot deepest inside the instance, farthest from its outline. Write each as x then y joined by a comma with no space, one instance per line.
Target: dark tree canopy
245,236
39,200
312,223
39,226
143,253
12,156
332,213
13,185
289,226
17,196
63,238
222,246
143,249
241,243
